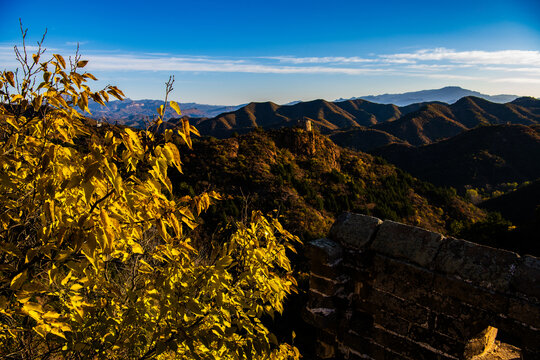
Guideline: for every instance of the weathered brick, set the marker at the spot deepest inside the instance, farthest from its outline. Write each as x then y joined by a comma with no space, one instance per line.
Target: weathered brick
460,328
354,230
524,311
479,297
484,266
526,277
406,347
358,343
413,244
321,318
360,322
392,322
402,279
323,251
376,300
438,341
324,270
318,300
525,336
324,286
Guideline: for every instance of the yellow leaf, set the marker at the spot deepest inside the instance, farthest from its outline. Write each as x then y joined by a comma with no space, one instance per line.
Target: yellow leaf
10,77
32,306
137,249
60,60
18,280
160,110
82,63
42,329
175,155
176,107
90,76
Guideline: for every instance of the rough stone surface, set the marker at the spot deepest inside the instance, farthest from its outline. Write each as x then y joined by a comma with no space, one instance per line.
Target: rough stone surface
354,230
324,251
526,278
411,294
401,241
485,266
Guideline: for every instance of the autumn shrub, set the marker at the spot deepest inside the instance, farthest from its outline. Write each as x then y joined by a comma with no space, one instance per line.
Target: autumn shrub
96,260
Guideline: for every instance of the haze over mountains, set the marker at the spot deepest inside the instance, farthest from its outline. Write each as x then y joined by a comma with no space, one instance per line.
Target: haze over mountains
448,94
472,142
132,112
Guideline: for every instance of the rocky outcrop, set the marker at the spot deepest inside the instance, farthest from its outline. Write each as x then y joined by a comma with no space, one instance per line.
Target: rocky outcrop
385,290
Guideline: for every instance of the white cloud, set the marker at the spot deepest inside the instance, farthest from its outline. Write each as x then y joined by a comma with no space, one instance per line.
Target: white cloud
439,63
320,60
475,57
518,80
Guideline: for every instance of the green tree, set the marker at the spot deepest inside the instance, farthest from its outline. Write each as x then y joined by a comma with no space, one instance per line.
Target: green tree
95,256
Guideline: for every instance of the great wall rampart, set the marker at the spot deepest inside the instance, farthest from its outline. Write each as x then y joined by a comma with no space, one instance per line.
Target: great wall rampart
385,290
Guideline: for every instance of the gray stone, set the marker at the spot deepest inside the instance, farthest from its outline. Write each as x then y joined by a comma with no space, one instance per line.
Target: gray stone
416,245
324,251
484,266
526,277
354,230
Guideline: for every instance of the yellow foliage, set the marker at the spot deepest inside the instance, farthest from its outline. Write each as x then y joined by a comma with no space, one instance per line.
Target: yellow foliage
96,259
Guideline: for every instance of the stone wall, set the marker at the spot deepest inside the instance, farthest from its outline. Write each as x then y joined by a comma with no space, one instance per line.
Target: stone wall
385,290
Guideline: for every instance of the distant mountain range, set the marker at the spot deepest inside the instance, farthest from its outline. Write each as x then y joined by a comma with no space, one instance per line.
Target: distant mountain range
353,121
449,95
133,112
472,142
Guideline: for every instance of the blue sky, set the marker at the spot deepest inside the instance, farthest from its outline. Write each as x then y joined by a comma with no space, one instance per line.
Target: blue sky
233,52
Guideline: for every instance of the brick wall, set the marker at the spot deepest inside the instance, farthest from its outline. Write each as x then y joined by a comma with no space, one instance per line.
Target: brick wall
385,290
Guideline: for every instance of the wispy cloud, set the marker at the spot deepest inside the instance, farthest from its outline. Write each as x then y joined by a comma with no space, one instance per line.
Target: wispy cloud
439,63
476,57
320,60
75,43
518,80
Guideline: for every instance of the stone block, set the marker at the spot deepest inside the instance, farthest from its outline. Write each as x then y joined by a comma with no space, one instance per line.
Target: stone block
318,300
322,285
460,328
482,342
324,251
354,341
406,347
376,300
360,322
324,270
469,293
484,266
321,318
402,279
437,341
524,311
392,322
354,230
413,244
526,278
524,336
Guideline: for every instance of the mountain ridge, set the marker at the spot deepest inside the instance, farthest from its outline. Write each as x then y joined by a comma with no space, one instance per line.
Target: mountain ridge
447,94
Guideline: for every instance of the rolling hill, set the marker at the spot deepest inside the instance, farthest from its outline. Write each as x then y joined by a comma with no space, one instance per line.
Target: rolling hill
482,157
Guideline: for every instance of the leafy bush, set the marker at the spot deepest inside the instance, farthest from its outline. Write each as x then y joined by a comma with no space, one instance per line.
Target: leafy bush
96,259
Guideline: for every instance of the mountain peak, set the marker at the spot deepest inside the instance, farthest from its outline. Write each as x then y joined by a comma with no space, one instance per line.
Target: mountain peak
447,94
